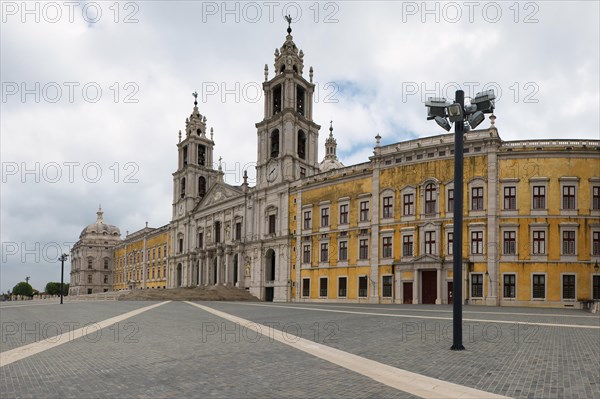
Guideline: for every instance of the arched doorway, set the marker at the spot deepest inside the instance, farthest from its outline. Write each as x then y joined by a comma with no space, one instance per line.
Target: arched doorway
235,269
178,279
269,275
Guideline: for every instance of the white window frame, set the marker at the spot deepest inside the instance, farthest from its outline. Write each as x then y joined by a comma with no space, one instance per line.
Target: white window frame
408,231
343,201
338,287
389,235
385,194
324,205
562,227
563,299
539,181
327,285
302,287
449,186
569,181
538,227
594,182
392,293
436,197
471,274
504,183
545,286
516,286
477,182
506,227
408,190
307,208
477,227
366,197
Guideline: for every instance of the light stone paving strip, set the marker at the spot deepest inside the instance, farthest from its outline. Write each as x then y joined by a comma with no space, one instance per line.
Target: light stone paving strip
416,384
529,323
22,352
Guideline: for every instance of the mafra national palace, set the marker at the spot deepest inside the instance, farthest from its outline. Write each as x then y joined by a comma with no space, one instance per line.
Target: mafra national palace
376,232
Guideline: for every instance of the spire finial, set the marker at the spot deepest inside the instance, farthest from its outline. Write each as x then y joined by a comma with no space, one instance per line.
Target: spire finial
99,213
288,18
492,120
195,94
211,134
220,164
180,136
331,128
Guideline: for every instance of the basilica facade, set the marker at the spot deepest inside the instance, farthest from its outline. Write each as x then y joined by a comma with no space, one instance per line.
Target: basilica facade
377,232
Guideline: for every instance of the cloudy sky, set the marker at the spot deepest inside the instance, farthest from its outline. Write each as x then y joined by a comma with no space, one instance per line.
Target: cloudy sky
93,94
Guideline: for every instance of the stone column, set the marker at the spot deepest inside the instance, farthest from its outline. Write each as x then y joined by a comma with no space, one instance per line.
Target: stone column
438,299
416,287
227,259
219,254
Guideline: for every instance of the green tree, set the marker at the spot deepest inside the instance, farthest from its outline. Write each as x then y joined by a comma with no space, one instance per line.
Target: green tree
53,288
23,288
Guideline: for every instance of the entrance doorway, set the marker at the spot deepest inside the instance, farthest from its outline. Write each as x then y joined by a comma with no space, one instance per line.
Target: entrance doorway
269,294
235,270
407,293
179,275
428,286
450,292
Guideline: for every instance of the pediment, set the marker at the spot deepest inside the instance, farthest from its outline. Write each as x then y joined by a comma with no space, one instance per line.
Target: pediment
427,258
219,193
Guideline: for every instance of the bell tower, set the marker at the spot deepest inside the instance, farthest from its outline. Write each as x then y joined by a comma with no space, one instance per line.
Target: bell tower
195,173
287,136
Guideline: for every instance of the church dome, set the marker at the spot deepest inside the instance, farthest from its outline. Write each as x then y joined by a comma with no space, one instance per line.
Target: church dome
330,164
100,228
330,161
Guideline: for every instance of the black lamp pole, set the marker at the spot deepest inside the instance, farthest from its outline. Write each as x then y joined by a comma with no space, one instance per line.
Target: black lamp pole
457,341
62,260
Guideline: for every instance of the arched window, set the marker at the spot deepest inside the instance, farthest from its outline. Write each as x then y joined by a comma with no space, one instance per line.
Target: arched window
275,143
182,188
277,99
201,155
301,144
300,95
185,155
198,132
201,186
430,199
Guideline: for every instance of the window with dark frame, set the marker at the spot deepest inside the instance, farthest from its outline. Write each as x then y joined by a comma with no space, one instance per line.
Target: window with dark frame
450,250
106,279
477,285
344,214
407,245
510,198
568,199
388,211
306,287
539,197
477,242
539,242
408,204
596,243
272,220
363,249
477,198
106,263
509,286
364,211
307,219
451,200
596,198
596,287
324,252
539,286
181,245
387,247
363,286
568,286
306,253
217,231
323,287
429,199
324,217
342,287
510,243
238,231
430,242
568,242
386,284
343,250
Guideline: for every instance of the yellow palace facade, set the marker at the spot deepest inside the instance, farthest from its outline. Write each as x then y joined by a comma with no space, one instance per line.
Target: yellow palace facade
381,232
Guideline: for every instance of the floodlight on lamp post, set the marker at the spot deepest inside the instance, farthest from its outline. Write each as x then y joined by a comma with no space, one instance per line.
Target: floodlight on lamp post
62,260
464,118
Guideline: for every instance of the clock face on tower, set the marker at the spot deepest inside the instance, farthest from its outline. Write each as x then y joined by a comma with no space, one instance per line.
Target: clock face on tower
272,171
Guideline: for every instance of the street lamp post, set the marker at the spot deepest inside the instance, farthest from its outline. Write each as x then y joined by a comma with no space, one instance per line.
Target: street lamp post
62,260
444,113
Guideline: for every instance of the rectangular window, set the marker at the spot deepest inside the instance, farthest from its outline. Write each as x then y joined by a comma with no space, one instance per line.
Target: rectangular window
539,242
510,198
89,263
271,224
596,198
323,287
342,287
450,250
105,279
568,199
324,217
451,200
324,252
364,211
386,291
306,253
477,242
344,214
217,231
477,198
510,286
430,242
539,286
539,197
596,243
568,243
430,199
238,231
568,286
200,242
407,245
89,278
510,243
343,250
387,247
106,263
306,287
181,245
477,285
388,210
307,219
409,204
363,249
362,286
596,287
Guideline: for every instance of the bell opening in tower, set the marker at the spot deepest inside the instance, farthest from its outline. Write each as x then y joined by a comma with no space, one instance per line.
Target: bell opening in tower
300,93
275,143
277,99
